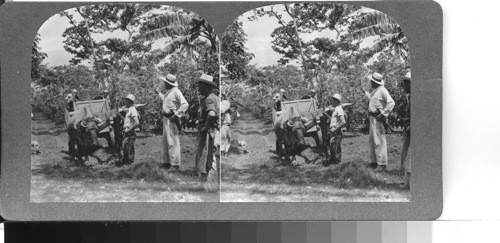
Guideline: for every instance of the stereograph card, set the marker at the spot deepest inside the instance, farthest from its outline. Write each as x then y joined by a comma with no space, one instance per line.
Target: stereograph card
221,111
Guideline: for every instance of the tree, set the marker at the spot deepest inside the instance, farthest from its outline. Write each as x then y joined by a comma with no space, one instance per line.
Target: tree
297,19
110,55
37,57
234,55
390,34
186,30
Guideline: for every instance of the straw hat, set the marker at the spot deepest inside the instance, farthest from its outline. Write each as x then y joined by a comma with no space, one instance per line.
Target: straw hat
337,97
170,79
377,78
207,79
130,97
407,77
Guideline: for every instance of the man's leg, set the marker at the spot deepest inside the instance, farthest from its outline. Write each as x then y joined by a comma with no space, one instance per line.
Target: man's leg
175,148
380,147
372,137
126,147
212,174
406,146
338,148
201,153
131,149
406,166
165,143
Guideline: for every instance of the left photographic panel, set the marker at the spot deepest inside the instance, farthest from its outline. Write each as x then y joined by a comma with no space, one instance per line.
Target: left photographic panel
124,106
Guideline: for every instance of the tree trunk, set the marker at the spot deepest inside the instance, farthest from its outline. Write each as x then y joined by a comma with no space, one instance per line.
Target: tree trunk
94,56
299,44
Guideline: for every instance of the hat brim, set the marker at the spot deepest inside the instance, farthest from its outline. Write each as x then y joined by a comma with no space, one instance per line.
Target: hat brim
129,99
381,82
206,82
172,83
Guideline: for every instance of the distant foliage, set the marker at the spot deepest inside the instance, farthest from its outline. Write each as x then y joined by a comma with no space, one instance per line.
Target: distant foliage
130,64
363,41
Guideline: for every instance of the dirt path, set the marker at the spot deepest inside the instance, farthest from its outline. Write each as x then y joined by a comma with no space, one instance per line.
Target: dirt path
56,178
259,175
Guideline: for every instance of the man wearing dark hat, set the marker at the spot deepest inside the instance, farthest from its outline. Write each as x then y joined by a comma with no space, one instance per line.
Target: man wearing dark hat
208,129
173,108
379,108
406,132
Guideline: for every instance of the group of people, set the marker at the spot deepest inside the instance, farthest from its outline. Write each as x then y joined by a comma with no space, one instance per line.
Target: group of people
380,106
174,106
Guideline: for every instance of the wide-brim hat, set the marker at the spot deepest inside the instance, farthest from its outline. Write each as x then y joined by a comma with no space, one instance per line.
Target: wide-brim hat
206,79
130,97
407,77
337,97
377,78
170,79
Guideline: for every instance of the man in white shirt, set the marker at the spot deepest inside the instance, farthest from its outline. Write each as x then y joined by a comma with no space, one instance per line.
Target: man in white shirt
336,123
130,123
379,108
173,108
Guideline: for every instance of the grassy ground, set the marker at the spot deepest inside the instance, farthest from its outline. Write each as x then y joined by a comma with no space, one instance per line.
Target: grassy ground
56,178
260,176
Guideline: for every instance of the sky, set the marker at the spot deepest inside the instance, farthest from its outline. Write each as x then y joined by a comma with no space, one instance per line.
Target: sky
51,41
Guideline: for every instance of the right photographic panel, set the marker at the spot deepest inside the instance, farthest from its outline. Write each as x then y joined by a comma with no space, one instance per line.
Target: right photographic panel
315,106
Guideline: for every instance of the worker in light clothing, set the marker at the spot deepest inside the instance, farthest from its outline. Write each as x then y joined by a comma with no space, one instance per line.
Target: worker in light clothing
173,108
130,123
379,108
336,124
208,131
226,122
406,131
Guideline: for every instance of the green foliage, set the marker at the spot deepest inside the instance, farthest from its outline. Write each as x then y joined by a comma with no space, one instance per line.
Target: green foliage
55,83
128,65
329,64
37,57
234,55
389,33
186,31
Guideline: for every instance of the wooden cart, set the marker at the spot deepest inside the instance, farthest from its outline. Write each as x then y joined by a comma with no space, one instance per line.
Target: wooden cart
109,126
318,120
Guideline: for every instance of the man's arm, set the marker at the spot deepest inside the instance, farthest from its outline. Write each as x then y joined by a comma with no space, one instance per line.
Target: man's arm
184,104
211,116
390,104
134,125
340,125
